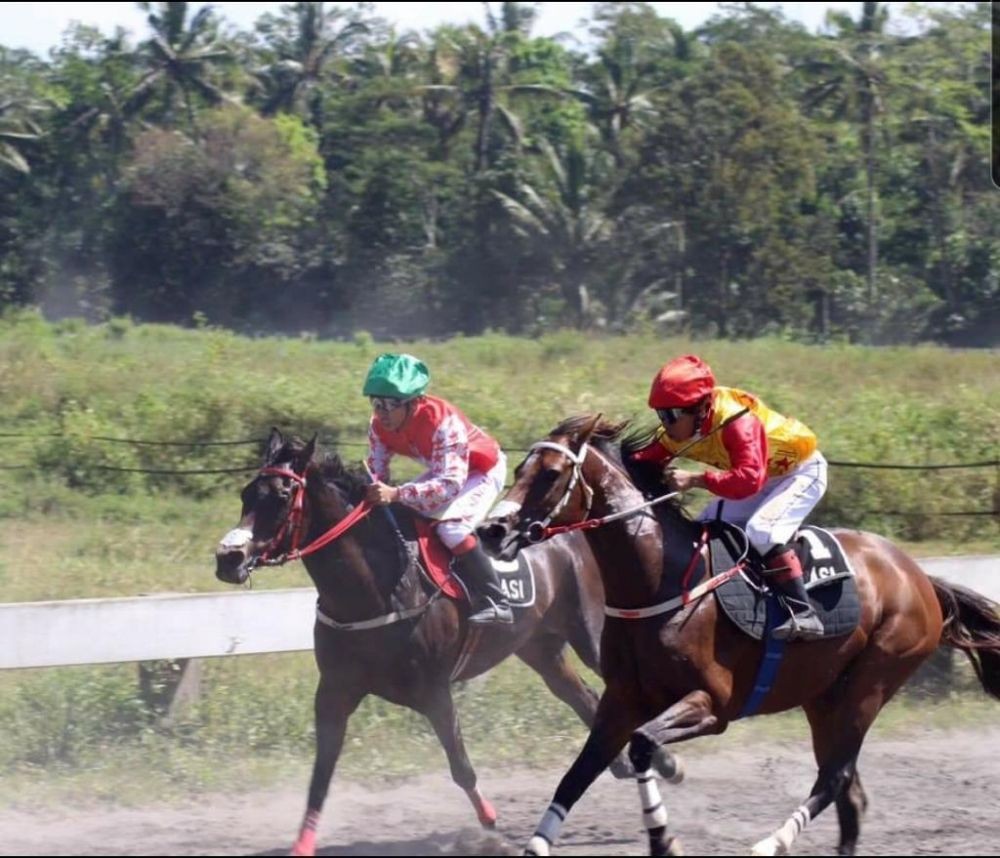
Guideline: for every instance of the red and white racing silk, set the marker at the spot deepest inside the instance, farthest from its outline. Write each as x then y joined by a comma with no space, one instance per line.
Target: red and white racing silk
442,438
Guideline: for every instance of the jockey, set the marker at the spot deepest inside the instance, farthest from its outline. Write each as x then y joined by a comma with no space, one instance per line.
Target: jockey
770,475
466,471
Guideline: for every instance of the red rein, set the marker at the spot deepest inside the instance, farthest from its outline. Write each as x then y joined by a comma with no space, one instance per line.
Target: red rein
294,522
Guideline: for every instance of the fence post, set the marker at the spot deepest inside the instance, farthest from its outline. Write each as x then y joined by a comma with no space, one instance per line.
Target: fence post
169,687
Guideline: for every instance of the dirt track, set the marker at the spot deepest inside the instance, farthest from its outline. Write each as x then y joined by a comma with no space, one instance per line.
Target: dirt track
932,793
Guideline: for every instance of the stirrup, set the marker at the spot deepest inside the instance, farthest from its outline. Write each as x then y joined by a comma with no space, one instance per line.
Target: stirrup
804,626
500,614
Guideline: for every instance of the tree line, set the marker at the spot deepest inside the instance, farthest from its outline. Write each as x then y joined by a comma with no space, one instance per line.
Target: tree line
326,173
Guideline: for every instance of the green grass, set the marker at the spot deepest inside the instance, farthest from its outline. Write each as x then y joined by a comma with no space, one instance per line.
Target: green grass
69,529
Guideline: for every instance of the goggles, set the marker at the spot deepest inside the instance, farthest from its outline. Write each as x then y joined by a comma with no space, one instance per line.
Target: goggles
386,403
672,415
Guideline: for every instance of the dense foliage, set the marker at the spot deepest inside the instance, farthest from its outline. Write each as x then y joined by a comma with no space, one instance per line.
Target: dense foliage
325,173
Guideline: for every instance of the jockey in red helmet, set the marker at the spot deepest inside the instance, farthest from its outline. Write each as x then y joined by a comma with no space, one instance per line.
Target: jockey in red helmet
466,470
770,473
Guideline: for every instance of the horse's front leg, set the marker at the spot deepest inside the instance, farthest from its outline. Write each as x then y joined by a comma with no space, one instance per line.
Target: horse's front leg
615,719
439,709
335,701
693,715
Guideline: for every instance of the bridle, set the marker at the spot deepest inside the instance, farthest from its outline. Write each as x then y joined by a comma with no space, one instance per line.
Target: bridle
537,530
293,524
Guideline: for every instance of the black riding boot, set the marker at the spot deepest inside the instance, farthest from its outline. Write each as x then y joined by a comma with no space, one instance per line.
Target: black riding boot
803,624
489,604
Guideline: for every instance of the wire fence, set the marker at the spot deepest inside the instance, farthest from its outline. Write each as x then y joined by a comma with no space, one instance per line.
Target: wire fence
340,442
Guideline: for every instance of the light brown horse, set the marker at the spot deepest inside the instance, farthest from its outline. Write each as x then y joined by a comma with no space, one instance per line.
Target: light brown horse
688,672
379,631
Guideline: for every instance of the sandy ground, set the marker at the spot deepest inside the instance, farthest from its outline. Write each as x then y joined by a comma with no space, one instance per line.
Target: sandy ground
932,793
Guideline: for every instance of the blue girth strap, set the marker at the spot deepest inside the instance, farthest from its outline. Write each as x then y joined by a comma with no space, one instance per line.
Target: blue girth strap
774,652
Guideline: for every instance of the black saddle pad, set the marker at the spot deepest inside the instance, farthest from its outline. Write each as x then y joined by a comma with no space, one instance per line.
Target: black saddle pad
830,584
517,580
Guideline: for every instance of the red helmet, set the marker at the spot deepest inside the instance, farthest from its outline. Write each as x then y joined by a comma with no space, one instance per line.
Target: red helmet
683,382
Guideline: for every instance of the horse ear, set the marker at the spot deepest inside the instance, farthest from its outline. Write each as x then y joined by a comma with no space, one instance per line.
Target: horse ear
274,444
588,430
303,458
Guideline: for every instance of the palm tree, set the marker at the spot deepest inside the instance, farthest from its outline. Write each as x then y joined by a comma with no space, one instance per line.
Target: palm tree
853,82
306,42
18,109
469,70
180,56
564,212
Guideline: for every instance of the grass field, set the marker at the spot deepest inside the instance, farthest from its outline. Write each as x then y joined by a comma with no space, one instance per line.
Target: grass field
69,528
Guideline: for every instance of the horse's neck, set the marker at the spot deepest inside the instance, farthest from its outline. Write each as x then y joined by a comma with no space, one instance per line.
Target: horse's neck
346,581
631,551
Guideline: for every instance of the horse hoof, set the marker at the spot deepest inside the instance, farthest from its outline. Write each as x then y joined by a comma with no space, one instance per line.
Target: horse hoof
537,846
769,846
668,846
484,809
668,766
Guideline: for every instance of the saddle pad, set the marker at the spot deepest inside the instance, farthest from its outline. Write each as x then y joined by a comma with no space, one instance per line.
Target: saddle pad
822,556
836,603
830,584
437,560
516,577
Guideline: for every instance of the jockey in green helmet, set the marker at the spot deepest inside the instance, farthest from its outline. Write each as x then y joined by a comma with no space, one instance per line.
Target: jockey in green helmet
466,470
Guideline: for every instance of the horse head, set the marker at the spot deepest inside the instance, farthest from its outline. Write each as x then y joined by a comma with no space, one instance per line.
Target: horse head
549,488
272,518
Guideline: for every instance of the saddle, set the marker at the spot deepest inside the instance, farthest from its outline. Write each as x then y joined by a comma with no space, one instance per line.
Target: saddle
423,549
829,579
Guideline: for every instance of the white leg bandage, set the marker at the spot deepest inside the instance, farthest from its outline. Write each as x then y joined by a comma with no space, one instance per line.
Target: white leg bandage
654,811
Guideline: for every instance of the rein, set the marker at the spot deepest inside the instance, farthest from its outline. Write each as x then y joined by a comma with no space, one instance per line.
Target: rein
294,522
540,530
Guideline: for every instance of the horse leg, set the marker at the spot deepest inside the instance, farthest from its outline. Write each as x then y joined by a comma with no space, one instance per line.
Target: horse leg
691,716
440,711
547,657
840,720
614,720
667,765
333,707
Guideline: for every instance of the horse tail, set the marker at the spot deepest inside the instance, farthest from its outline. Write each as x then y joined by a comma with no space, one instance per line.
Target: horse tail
972,624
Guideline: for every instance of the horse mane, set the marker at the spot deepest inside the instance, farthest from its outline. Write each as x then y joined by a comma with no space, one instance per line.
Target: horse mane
618,441
349,480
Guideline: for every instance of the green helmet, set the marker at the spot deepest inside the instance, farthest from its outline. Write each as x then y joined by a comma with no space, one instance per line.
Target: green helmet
401,376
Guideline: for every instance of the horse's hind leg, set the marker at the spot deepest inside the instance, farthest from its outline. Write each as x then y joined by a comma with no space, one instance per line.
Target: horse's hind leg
840,720
851,806
439,709
333,705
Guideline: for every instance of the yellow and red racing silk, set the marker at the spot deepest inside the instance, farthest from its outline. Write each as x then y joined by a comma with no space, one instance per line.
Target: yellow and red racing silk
758,445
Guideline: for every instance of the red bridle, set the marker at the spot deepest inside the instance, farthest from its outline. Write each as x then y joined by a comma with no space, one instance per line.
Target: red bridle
293,522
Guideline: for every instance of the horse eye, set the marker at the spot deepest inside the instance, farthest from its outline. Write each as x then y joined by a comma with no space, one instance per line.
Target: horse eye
549,476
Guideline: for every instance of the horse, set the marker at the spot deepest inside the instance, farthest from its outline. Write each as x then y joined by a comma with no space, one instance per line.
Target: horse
678,669
381,630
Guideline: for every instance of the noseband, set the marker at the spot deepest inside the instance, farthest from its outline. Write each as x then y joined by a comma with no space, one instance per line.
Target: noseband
293,521
536,531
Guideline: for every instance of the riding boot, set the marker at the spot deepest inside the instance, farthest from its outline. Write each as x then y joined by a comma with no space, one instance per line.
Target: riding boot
784,571
489,602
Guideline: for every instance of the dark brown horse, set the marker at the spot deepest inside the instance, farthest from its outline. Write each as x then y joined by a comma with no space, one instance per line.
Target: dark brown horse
380,631
687,672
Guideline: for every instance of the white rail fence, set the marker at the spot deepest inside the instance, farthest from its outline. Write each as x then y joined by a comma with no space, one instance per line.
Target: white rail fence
147,628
